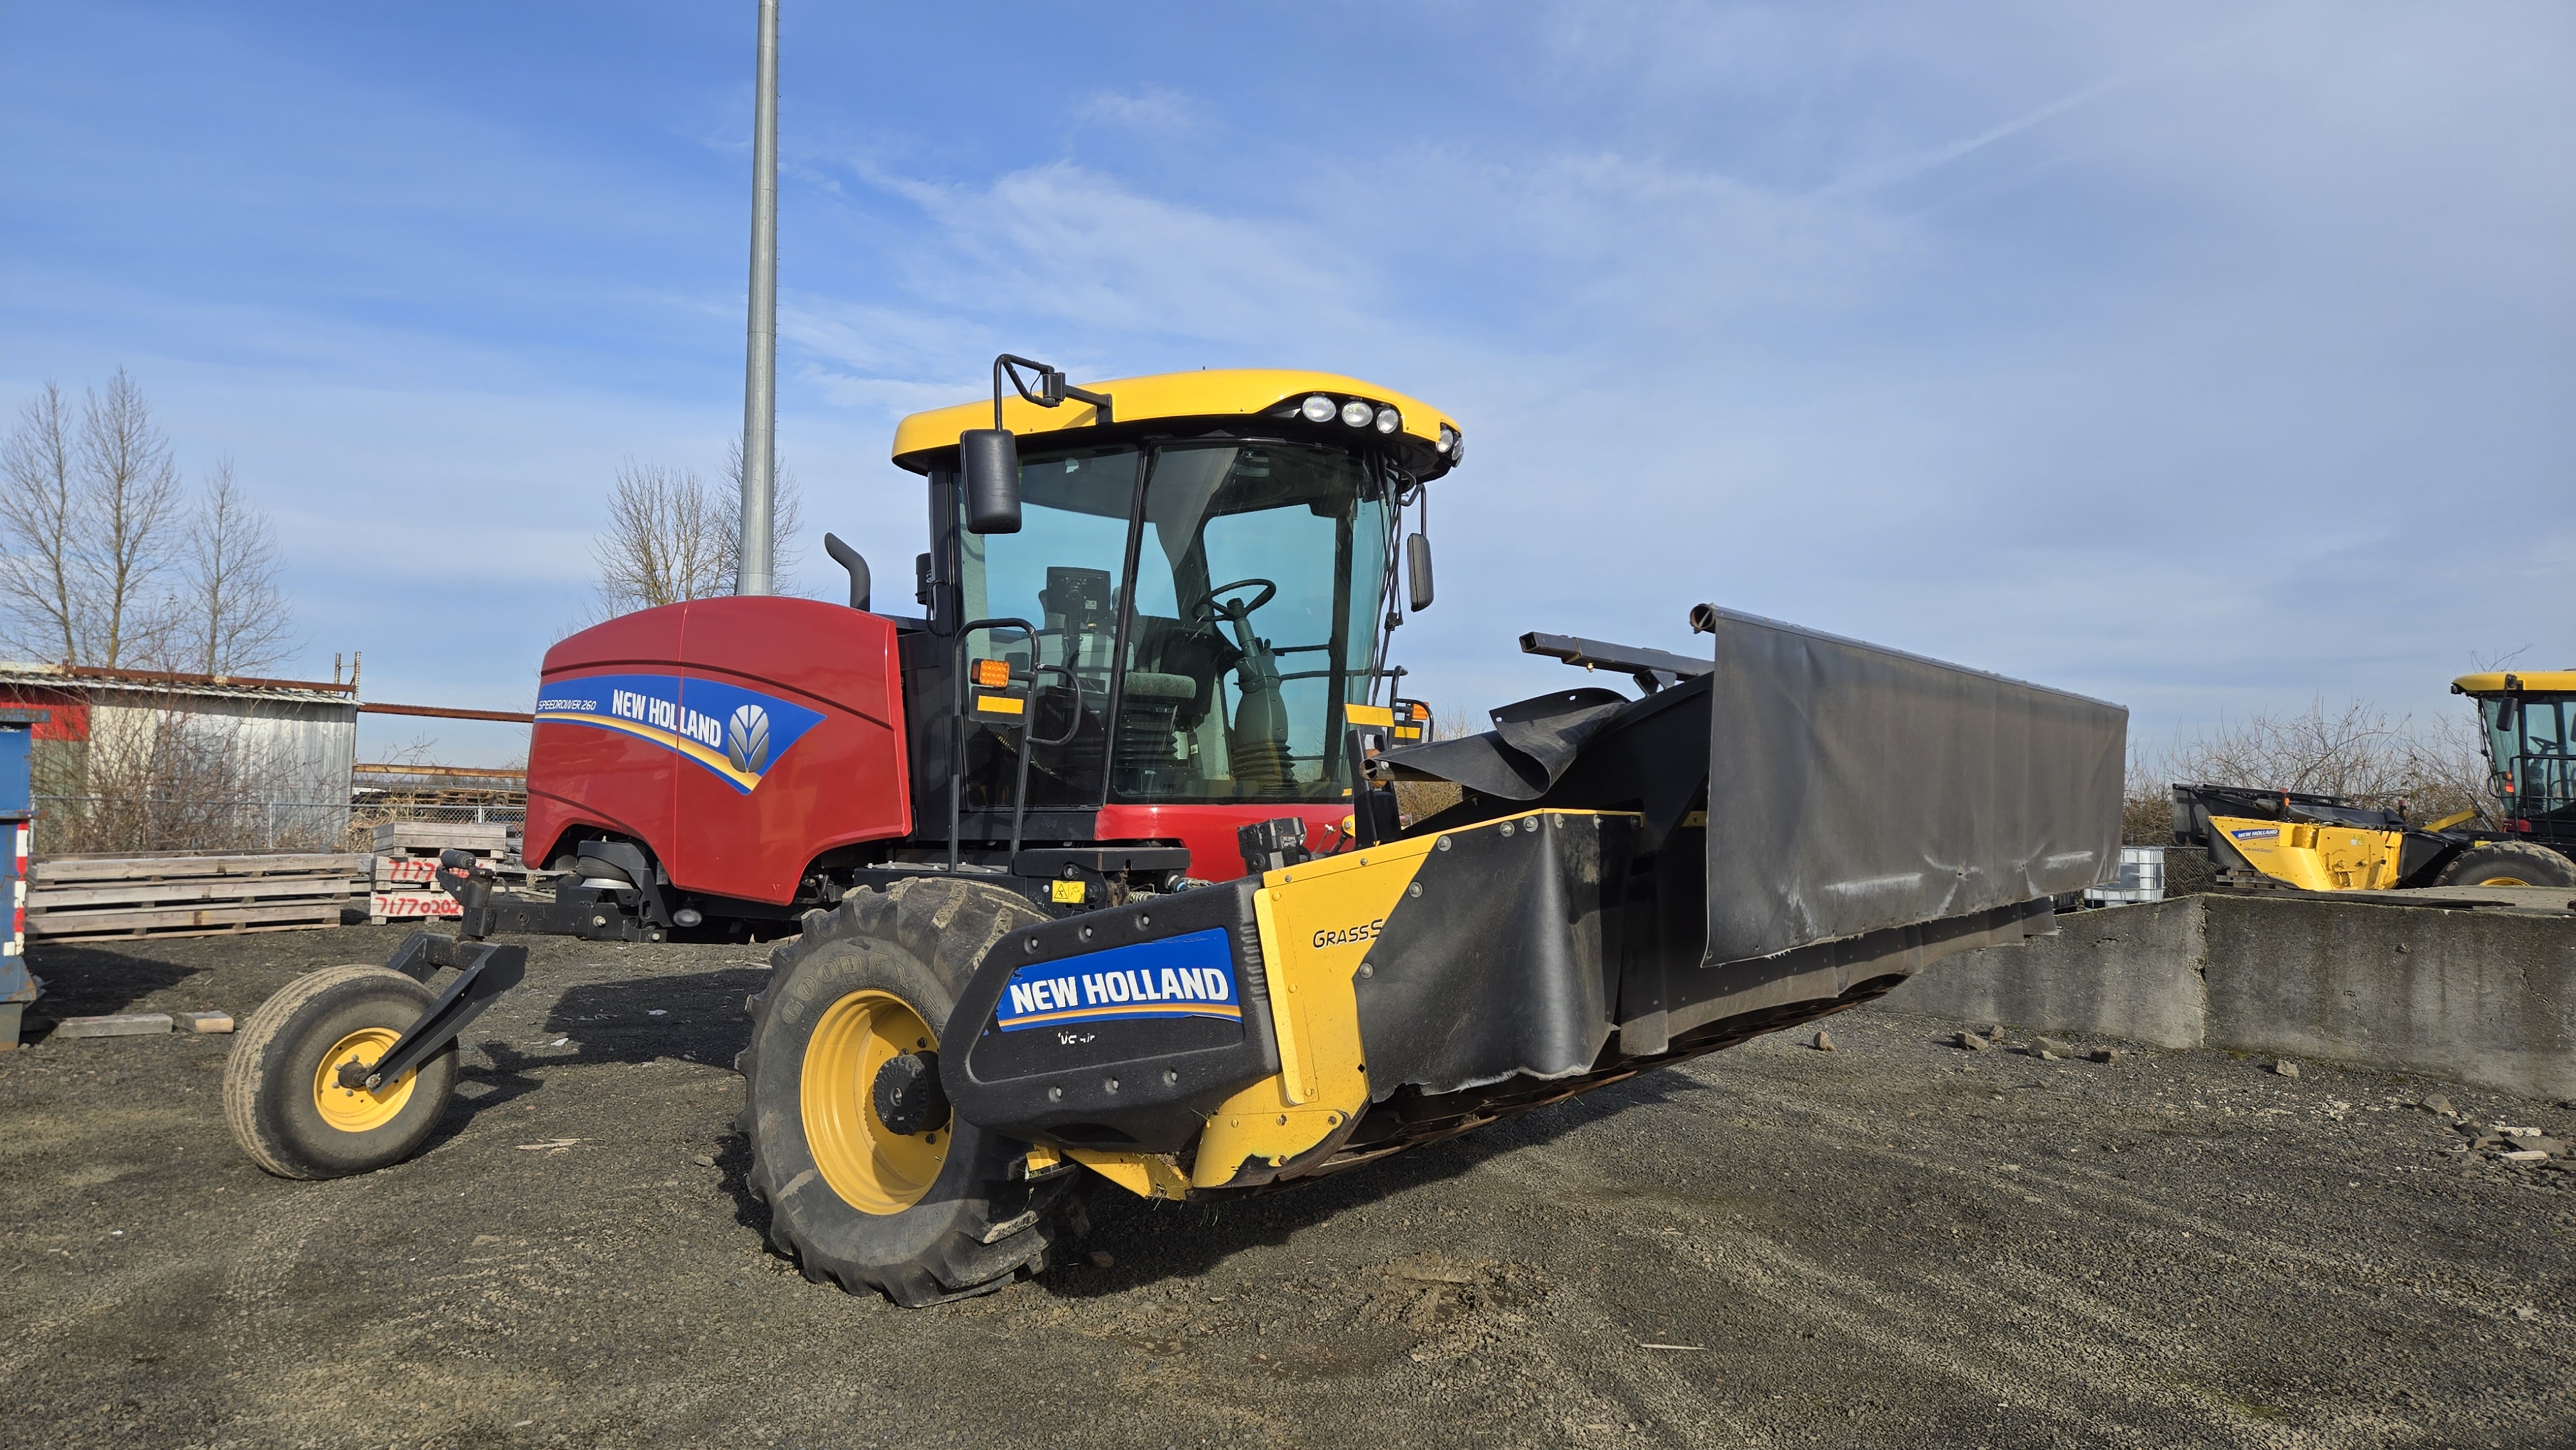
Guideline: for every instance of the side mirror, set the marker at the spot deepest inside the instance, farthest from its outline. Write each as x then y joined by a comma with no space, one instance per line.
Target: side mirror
852,560
992,461
1417,569
992,457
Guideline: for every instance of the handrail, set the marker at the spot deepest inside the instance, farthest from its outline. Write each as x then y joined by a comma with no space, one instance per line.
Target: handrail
957,756
1029,744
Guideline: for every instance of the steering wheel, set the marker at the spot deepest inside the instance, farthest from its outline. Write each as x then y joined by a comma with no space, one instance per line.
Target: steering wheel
1204,613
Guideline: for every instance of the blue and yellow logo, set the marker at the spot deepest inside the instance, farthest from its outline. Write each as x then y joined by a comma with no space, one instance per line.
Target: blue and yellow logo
735,733
1182,976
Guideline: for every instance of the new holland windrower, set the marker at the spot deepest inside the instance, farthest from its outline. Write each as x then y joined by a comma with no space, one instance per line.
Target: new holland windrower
1090,871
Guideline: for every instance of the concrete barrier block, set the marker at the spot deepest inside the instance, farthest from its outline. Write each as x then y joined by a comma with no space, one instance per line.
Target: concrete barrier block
2485,997
2122,971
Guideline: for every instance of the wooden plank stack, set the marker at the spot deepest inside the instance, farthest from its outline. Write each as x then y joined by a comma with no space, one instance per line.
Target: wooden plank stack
487,839
71,898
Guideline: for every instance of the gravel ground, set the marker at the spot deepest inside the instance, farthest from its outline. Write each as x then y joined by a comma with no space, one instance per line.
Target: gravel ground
1898,1242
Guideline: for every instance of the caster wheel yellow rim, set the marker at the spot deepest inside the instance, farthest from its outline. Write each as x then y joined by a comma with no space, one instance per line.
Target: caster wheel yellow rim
358,1110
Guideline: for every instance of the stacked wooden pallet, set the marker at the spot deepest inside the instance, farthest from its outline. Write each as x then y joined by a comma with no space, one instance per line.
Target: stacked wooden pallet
487,839
405,884
179,894
406,889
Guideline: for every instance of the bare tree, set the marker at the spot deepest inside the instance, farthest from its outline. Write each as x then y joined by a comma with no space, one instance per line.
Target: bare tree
672,536
2355,751
86,521
231,618
130,498
2487,661
40,569
666,539
787,519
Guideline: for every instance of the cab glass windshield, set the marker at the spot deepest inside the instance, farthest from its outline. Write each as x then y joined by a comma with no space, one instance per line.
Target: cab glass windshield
2527,740
1260,575
1258,582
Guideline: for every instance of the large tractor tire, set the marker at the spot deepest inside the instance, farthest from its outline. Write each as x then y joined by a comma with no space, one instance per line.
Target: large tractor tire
2509,863
920,1208
282,1093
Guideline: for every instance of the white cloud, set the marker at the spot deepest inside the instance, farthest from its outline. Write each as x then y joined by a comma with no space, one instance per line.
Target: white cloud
1150,109
1065,242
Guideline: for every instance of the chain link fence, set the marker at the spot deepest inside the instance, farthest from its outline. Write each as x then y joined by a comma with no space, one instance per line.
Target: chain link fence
116,824
366,816
434,805
110,825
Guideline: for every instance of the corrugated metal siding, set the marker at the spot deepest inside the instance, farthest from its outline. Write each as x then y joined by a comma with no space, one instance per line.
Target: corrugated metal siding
297,750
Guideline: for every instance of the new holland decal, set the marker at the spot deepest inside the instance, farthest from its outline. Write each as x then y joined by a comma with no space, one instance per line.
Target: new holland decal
1182,976
735,734
2257,833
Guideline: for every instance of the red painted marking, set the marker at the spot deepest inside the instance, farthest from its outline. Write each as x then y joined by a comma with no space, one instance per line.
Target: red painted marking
69,710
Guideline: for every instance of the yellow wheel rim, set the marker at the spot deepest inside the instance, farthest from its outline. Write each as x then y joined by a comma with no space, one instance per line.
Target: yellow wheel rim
356,1110
872,1167
2504,881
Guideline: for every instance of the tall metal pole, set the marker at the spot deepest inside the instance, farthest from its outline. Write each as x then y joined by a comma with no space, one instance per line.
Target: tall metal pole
760,381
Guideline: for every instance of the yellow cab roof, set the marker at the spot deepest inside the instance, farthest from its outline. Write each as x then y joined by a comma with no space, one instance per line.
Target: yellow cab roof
2532,682
1211,393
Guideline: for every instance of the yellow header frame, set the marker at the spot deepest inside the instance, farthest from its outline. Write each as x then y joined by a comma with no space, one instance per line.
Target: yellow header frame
1208,393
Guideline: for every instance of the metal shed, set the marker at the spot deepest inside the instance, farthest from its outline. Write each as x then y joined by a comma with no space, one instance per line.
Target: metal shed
163,760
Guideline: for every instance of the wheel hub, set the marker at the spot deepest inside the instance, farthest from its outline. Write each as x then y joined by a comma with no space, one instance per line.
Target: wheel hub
907,1094
872,1165
363,1105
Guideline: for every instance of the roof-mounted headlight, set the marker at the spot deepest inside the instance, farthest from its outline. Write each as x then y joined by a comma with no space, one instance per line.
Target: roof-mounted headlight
1457,451
1388,420
1357,413
1448,437
1318,408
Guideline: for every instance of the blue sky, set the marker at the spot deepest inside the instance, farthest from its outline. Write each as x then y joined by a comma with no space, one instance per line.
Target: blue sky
2204,358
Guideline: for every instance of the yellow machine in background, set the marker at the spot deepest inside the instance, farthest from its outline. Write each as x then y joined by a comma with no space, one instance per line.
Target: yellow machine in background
2317,857
2275,839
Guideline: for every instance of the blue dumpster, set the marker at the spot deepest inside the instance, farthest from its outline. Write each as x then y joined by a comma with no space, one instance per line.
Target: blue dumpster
17,985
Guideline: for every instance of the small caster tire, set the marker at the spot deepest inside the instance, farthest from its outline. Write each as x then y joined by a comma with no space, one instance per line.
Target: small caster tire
282,1093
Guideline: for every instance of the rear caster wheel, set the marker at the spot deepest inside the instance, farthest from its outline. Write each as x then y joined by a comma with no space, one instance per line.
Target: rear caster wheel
283,1095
